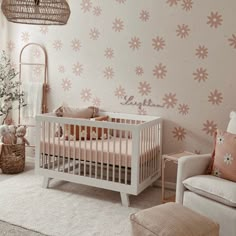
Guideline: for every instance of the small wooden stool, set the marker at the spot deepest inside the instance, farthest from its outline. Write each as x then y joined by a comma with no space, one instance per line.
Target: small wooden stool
172,219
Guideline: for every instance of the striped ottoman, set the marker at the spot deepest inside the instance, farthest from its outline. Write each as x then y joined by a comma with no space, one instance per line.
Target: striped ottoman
172,219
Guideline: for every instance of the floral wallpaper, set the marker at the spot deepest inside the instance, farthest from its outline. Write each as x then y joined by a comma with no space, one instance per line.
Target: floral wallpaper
169,58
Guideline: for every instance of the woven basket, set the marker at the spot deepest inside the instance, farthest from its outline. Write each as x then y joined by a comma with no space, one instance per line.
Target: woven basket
12,159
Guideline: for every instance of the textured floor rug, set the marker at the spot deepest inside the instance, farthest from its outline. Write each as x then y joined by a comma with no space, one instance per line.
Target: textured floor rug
68,209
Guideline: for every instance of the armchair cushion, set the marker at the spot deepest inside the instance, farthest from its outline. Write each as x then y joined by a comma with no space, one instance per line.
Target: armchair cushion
212,187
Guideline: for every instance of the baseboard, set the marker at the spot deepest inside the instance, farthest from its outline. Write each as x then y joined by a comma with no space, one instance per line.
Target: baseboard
168,185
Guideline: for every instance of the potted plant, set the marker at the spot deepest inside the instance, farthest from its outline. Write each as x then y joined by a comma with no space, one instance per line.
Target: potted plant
11,97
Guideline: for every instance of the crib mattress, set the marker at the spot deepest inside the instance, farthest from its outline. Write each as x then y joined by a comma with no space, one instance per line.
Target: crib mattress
114,151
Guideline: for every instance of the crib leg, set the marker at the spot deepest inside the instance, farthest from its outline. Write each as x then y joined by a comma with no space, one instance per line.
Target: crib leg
124,199
46,182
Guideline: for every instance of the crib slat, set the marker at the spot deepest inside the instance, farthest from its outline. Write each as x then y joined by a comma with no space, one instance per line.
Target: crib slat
142,155
120,145
63,153
74,150
126,155
90,153
43,153
68,150
145,150
113,156
49,146
53,145
108,152
85,152
102,159
96,156
59,150
80,152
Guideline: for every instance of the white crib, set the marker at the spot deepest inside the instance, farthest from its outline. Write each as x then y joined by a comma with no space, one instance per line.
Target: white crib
127,159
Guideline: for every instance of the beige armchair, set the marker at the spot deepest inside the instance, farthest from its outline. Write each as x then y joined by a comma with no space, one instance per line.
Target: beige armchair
206,194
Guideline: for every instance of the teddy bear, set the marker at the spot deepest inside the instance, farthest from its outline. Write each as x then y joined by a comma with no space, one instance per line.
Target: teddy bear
12,132
20,133
5,136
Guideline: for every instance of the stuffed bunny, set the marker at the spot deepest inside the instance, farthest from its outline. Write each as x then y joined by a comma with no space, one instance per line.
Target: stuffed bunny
20,133
5,136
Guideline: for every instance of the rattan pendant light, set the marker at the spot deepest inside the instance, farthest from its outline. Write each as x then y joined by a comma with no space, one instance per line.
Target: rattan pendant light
36,12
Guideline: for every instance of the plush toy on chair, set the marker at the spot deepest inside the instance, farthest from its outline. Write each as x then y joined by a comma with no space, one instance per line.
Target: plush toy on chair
20,133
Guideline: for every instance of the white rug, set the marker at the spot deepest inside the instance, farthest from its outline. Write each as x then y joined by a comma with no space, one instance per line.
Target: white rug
68,209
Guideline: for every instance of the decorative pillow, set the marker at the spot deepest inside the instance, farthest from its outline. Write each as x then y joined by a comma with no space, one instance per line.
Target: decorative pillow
232,123
66,111
88,132
224,156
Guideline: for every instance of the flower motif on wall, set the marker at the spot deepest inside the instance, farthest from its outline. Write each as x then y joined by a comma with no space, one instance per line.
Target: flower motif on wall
121,1
10,45
144,15
187,5
120,92
66,84
37,70
142,111
118,25
134,43
170,100
158,43
75,44
109,53
209,127
214,20
44,29
61,69
200,75
77,69
97,11
183,109
159,71
215,98
86,5
94,34
182,31
232,41
86,94
179,133
57,44
36,52
96,102
172,2
139,70
144,88
201,52
25,37
108,72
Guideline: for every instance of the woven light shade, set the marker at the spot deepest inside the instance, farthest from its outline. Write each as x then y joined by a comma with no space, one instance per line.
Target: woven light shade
36,12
